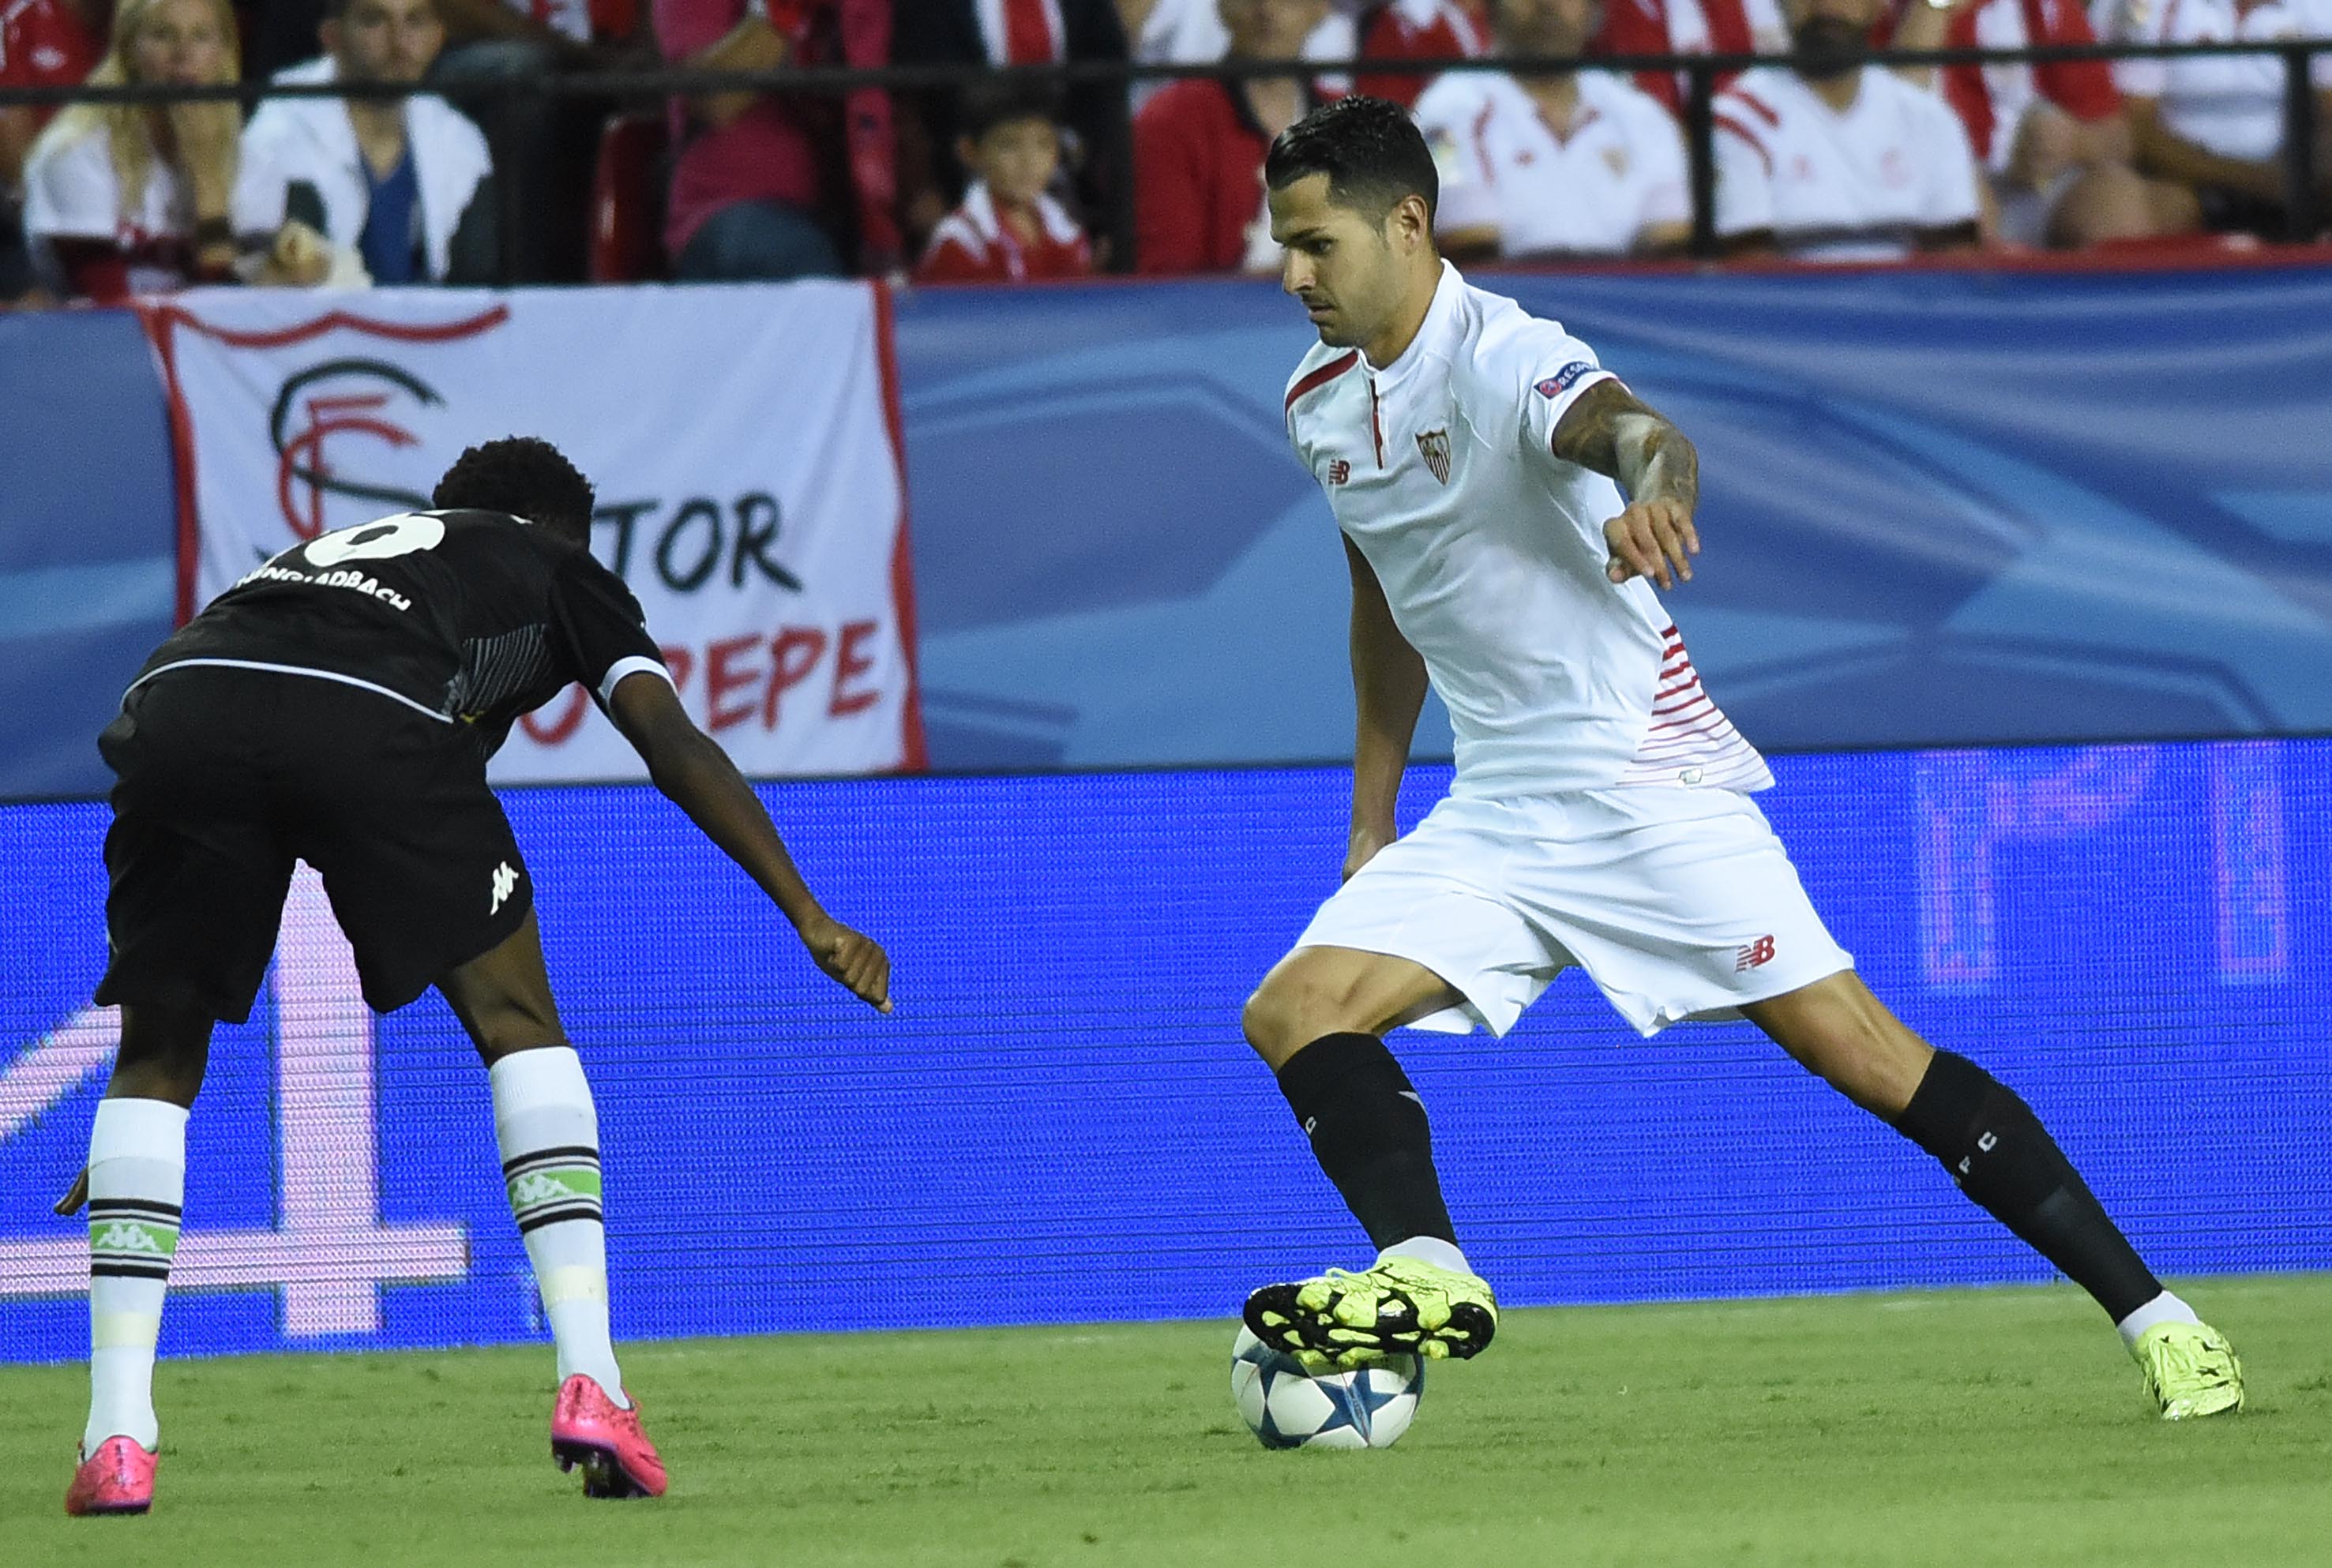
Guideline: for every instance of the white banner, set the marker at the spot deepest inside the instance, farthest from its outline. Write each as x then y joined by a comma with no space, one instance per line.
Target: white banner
743,441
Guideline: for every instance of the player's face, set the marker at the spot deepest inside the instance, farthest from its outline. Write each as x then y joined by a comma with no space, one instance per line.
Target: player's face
180,42
385,40
1337,262
1557,29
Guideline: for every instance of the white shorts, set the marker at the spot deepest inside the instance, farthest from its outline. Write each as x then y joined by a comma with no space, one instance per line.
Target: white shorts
1679,904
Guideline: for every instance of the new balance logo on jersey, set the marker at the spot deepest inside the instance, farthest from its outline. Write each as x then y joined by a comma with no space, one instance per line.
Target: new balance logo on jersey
1434,444
505,884
1339,471
1753,954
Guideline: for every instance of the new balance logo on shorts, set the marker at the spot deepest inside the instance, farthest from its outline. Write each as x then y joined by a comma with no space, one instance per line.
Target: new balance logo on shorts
1752,955
506,882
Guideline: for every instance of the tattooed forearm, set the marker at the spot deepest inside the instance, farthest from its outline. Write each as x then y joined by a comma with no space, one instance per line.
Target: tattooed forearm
1613,432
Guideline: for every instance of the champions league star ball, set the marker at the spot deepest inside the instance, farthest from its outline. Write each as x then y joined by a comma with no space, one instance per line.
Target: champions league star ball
1286,1407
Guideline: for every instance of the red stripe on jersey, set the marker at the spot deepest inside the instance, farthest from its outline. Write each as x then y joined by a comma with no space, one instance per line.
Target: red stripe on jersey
1321,377
1687,705
1700,742
1695,731
1756,106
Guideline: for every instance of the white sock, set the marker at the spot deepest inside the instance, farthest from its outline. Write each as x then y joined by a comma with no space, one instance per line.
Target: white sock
2162,1308
136,1182
1429,1249
548,1135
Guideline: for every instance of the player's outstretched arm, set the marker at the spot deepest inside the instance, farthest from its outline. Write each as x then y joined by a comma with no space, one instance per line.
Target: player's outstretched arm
1613,432
695,774
1389,689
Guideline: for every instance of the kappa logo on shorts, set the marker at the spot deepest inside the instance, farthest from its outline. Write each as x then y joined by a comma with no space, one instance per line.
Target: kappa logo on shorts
1434,447
1753,955
506,882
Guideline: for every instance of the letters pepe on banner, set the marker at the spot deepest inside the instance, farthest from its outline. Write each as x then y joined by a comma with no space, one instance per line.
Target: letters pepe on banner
744,442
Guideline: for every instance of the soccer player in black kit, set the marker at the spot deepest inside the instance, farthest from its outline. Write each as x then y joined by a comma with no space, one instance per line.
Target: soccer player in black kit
337,707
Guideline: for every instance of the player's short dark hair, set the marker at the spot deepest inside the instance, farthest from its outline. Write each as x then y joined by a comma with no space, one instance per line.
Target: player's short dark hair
992,101
525,477
1370,150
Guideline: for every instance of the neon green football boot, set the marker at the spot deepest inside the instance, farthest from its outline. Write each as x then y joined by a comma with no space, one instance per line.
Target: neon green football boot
1402,1306
2190,1370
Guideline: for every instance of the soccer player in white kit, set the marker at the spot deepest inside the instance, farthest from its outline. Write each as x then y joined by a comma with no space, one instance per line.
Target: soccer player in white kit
1600,813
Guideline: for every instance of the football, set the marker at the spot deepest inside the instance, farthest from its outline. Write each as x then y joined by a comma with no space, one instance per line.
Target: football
1286,1407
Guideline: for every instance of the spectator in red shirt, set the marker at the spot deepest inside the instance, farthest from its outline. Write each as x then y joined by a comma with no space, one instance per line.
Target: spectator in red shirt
1199,147
1708,27
1007,230
43,43
746,186
1417,29
2050,136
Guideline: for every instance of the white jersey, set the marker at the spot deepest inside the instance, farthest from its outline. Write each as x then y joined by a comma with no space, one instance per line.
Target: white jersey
2228,105
71,192
1832,187
1440,469
1593,192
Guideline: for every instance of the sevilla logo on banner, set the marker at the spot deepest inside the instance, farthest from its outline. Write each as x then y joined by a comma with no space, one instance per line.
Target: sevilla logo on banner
743,443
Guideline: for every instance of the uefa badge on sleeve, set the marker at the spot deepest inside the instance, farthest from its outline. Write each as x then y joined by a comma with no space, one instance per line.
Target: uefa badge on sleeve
1434,447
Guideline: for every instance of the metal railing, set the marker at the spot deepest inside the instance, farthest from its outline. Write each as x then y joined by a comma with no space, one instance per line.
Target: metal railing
2302,209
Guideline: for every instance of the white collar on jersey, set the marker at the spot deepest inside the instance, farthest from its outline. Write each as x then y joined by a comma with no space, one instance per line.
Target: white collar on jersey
1439,316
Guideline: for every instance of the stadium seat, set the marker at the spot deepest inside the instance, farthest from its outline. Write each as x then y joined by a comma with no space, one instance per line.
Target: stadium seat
627,200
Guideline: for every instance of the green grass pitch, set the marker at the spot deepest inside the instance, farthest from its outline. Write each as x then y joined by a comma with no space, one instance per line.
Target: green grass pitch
1961,1428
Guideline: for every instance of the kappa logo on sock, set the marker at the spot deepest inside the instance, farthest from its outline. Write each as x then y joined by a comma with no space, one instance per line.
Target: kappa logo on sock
121,1237
505,884
1753,955
543,1187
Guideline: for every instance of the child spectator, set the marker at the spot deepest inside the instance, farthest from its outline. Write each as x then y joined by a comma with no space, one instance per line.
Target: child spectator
122,198
1007,230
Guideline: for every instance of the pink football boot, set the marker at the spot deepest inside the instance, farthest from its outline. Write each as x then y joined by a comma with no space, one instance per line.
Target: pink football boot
119,1479
590,1429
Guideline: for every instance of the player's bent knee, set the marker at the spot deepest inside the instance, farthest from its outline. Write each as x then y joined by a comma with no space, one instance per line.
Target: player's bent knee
1290,1009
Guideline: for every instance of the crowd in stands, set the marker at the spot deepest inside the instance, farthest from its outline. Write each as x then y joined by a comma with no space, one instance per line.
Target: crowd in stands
1824,153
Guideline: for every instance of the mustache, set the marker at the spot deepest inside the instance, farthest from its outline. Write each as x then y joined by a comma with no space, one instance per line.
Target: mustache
1828,47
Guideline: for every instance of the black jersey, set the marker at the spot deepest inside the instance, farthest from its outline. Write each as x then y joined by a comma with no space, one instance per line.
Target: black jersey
475,618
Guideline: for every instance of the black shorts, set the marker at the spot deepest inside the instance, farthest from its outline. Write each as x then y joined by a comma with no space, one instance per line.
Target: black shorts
225,777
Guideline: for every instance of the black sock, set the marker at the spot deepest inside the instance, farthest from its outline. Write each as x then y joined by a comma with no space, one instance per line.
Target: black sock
2003,1157
1369,1132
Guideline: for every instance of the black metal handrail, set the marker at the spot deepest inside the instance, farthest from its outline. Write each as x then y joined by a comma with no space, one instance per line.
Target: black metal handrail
2301,207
